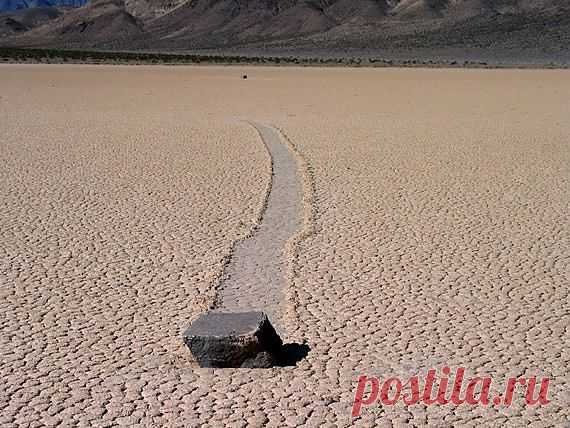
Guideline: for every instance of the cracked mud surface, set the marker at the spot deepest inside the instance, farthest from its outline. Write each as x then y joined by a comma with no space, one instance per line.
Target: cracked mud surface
435,231
256,277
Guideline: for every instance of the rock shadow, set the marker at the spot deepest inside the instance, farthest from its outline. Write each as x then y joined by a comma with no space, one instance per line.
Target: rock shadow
291,353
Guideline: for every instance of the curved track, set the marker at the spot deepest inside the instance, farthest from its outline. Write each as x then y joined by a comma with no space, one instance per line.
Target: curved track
255,278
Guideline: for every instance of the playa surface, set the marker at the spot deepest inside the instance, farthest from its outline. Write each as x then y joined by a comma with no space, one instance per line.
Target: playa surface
434,230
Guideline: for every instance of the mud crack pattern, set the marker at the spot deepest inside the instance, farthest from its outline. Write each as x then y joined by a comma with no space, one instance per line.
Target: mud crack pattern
435,231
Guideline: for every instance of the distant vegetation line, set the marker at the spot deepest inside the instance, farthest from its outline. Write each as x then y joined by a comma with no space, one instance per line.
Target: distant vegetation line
88,56
60,56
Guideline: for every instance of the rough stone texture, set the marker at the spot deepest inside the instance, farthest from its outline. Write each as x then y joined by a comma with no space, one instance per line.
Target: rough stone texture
226,340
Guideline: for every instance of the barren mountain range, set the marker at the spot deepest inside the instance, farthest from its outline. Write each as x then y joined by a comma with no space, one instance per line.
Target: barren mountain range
502,29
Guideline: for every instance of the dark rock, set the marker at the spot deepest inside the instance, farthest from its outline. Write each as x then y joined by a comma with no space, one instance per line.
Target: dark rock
246,340
263,360
245,76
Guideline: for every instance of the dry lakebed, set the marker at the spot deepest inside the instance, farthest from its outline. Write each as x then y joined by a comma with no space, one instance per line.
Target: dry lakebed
390,221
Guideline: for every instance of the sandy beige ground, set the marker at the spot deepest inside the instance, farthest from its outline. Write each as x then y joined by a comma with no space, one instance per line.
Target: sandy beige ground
436,232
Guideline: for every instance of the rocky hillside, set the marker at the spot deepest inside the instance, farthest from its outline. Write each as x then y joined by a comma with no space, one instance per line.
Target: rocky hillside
10,5
309,25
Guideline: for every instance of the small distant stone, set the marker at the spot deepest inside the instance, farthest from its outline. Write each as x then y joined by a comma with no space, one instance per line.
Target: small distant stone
225,340
245,76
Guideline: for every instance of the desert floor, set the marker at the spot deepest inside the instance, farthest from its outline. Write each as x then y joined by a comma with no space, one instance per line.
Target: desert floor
433,229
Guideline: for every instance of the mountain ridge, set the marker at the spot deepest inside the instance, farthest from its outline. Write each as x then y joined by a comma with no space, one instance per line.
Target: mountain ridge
11,5
310,25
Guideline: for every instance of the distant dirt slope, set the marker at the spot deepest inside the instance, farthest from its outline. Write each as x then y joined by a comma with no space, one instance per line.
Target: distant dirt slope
19,21
345,27
102,22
